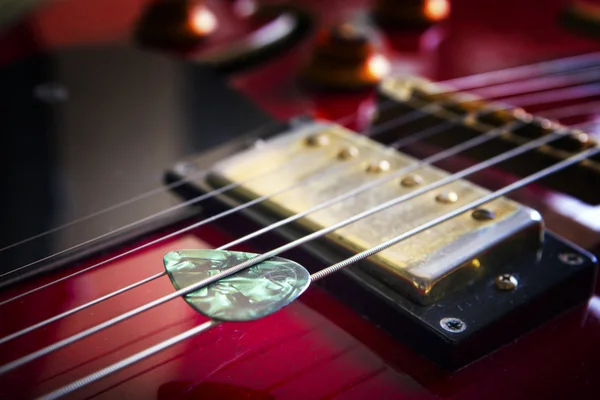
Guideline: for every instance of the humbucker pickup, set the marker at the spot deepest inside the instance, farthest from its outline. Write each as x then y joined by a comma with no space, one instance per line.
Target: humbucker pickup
333,161
454,292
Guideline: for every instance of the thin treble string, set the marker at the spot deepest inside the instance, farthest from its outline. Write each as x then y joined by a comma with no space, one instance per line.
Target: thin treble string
570,93
178,232
414,137
133,359
400,120
130,360
262,257
397,121
524,72
572,111
142,196
113,207
317,234
588,125
486,199
382,107
573,92
429,160
484,137
542,83
559,65
553,113
187,203
417,136
432,159
424,133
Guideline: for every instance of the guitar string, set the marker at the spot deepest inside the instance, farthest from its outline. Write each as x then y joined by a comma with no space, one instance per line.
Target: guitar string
231,245
573,111
419,113
413,138
173,234
532,70
142,196
484,137
535,99
408,118
559,66
591,74
575,92
192,201
395,122
432,159
388,104
588,125
93,377
262,257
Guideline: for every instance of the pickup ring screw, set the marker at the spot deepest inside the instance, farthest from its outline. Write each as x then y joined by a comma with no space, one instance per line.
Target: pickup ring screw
506,282
571,258
482,214
453,325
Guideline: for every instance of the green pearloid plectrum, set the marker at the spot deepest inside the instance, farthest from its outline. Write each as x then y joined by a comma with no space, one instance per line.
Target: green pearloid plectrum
250,294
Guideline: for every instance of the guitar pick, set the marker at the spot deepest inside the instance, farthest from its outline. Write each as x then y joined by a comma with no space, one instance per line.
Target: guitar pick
247,295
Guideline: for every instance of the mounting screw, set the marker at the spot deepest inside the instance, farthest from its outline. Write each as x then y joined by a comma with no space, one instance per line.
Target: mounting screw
317,140
447,197
482,214
453,325
411,181
571,258
506,282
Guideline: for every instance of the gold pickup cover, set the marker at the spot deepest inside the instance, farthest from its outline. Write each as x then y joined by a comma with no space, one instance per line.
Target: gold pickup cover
425,267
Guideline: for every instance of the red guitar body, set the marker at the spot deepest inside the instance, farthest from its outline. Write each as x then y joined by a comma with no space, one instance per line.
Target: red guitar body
316,347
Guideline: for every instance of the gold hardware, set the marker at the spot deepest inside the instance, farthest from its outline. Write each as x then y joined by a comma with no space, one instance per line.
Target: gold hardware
378,167
482,214
506,282
411,181
447,197
476,116
317,140
347,153
423,268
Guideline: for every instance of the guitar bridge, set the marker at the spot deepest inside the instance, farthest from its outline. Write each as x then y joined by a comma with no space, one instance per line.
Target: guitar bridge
430,104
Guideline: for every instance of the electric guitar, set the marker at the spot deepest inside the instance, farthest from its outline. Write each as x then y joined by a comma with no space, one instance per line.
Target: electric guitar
294,200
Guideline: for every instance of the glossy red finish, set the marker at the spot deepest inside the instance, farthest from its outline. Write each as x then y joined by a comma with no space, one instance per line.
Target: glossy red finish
316,347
